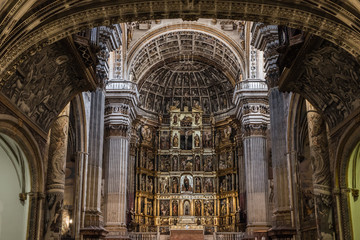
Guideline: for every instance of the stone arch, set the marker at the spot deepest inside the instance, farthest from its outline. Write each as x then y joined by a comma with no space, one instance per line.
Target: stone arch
347,143
75,167
21,135
299,154
335,22
229,43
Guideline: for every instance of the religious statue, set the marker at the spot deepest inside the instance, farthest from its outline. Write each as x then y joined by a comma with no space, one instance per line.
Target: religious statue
150,185
175,163
209,208
209,163
175,140
197,208
149,208
164,188
183,163
143,159
174,185
146,134
151,165
174,208
175,119
186,208
197,163
227,132
164,208
189,164
197,118
197,140
229,160
208,185
207,141
223,208
186,186
143,183
197,185
223,185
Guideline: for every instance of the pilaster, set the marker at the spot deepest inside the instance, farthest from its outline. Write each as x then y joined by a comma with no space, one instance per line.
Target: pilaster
93,223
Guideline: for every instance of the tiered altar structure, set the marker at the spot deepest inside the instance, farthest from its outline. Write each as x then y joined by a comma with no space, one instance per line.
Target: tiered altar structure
187,174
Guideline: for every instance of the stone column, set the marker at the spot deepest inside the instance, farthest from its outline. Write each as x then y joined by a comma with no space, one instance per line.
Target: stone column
320,162
56,175
81,163
265,38
117,146
250,98
256,166
121,99
131,177
281,191
94,225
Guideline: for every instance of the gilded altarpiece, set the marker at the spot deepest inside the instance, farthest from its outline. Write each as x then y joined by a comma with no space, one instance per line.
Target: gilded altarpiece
187,176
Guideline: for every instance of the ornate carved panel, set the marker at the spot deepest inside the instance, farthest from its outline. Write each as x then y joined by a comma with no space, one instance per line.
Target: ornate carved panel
33,86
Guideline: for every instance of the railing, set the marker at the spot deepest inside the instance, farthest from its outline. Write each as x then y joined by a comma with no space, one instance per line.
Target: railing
232,236
143,235
121,85
251,84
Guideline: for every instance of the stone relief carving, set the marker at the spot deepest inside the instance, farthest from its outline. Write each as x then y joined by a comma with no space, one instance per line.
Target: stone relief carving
33,86
330,82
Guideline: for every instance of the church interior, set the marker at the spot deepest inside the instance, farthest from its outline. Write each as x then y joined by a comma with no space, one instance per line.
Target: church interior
179,119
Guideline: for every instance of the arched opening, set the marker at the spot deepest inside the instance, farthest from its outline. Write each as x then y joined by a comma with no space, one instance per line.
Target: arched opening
353,181
15,185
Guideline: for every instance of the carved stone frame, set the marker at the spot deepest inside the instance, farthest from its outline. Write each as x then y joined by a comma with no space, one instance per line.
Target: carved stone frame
346,143
15,129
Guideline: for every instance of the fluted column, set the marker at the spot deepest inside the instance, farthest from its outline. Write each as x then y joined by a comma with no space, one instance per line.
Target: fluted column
321,177
56,175
94,225
80,198
256,166
117,155
278,122
121,99
250,98
131,176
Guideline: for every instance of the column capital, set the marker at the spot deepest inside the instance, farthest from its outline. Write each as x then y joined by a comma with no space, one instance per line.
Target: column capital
117,130
251,100
254,129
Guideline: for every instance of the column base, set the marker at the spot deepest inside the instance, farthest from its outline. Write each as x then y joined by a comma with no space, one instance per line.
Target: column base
281,233
93,226
282,218
92,232
117,232
258,231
